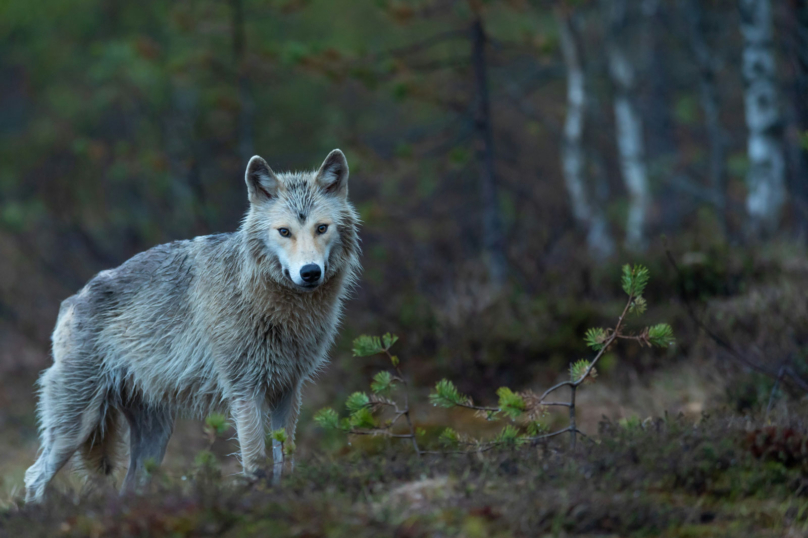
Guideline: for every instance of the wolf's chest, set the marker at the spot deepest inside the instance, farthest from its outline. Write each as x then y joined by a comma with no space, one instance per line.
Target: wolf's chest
292,346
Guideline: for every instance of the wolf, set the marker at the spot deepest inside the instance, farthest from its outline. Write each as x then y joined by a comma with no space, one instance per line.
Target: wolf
233,323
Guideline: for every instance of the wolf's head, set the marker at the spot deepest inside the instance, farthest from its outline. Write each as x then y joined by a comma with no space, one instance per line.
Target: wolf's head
300,228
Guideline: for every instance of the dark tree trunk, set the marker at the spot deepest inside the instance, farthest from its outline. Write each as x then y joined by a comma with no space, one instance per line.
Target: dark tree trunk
656,104
493,241
246,146
799,137
708,95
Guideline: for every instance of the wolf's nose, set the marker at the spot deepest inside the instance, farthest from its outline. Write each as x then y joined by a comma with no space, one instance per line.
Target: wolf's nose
310,273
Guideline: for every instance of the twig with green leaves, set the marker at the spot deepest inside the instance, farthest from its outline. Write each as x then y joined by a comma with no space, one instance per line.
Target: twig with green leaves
516,407
363,408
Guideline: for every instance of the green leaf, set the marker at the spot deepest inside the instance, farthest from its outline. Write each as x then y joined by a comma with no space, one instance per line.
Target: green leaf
382,383
357,401
363,418
327,418
595,338
638,305
536,428
447,395
365,345
511,404
217,424
578,369
635,279
279,435
449,437
388,340
661,335
510,436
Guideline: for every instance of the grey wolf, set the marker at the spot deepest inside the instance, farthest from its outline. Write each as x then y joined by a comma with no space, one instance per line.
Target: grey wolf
222,323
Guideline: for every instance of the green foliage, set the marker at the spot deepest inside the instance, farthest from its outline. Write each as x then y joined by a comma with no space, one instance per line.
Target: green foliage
357,401
596,338
578,370
661,335
447,395
365,346
363,418
511,404
279,435
216,424
635,279
510,436
388,340
382,383
536,428
205,459
327,418
638,306
449,437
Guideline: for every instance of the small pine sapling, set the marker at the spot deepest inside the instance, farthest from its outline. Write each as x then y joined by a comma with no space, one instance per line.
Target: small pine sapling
375,413
524,408
526,405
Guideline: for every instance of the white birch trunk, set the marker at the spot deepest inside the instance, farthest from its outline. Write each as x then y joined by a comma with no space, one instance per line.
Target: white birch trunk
766,181
629,126
573,161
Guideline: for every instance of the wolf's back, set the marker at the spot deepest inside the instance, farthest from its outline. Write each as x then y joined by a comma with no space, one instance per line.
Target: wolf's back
140,322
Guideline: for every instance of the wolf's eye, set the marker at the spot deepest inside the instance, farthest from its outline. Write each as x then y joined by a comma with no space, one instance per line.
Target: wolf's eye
322,228
284,232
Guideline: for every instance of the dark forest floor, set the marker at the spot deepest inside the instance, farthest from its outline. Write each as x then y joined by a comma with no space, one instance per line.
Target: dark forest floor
723,476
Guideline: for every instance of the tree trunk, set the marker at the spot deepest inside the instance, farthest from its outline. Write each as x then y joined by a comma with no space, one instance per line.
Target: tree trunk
661,149
766,177
493,241
799,138
629,125
573,160
708,95
246,146
657,107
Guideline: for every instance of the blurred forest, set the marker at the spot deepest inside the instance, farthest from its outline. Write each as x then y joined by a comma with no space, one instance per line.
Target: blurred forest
507,156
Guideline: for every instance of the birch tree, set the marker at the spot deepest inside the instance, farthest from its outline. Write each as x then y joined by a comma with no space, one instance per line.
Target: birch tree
766,182
573,160
628,123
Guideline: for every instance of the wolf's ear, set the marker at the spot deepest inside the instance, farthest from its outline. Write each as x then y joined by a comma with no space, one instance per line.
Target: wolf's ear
262,183
333,174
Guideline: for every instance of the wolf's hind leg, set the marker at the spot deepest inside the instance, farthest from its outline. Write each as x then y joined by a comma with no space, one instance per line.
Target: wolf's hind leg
150,428
68,410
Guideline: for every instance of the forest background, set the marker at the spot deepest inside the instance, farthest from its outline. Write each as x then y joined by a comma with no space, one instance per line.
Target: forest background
507,157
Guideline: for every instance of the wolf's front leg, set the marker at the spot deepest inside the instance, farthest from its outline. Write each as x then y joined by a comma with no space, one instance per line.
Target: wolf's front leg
284,415
248,414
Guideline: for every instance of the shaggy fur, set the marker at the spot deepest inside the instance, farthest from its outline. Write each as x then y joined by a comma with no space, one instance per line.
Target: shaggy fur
217,323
